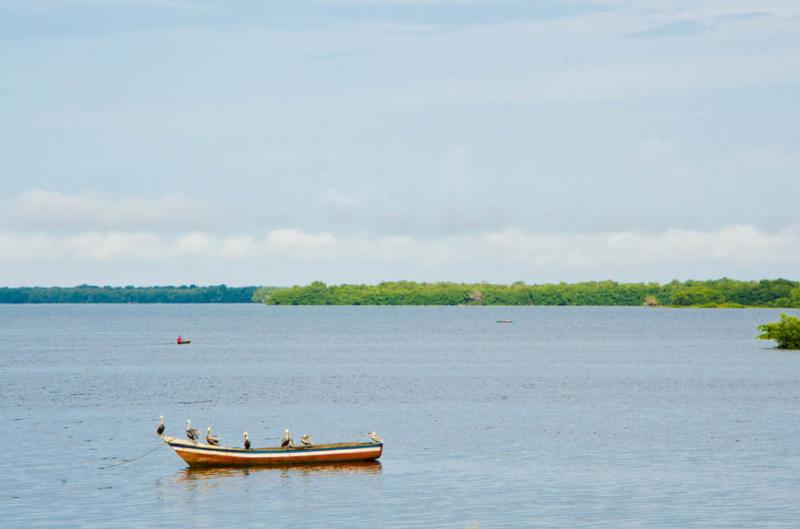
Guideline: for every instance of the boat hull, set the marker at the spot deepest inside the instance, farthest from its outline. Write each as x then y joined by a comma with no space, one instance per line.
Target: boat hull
203,455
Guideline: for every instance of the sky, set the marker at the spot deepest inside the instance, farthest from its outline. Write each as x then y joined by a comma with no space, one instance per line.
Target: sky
277,143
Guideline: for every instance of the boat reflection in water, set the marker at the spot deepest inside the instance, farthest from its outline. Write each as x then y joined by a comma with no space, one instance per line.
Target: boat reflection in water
190,474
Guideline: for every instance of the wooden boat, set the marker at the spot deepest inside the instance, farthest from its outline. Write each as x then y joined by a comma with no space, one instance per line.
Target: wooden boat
183,342
205,455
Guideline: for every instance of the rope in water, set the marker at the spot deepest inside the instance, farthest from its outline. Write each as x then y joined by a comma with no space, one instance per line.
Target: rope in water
163,443
126,461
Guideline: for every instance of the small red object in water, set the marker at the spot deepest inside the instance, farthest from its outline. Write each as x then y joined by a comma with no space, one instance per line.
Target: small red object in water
180,339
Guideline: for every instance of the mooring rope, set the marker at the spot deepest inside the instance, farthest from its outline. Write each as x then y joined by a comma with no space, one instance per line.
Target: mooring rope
164,443
126,461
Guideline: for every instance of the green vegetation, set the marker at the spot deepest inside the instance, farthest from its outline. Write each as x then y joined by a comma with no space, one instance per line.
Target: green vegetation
715,293
262,294
129,294
786,332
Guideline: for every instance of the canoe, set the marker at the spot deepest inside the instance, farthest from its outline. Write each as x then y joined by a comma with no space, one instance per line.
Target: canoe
184,342
205,455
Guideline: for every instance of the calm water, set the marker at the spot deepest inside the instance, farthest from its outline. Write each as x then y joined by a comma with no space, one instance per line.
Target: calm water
567,418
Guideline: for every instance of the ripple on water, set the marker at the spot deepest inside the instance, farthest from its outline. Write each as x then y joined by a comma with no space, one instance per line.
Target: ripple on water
571,417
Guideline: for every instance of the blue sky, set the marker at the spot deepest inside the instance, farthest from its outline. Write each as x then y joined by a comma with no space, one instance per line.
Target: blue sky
276,143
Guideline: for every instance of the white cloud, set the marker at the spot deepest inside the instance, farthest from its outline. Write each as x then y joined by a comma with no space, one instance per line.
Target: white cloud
208,245
736,244
194,243
300,245
50,210
86,246
240,247
291,255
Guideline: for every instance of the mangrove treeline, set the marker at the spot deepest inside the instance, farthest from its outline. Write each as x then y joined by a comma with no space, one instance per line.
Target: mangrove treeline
129,294
714,293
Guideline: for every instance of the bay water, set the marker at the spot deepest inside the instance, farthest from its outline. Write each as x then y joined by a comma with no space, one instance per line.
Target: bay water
569,417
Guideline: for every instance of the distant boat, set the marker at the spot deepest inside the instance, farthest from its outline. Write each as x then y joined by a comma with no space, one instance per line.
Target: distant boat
205,455
505,321
181,341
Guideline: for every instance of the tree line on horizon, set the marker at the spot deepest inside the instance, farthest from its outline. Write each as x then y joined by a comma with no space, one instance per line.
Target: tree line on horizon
128,294
711,293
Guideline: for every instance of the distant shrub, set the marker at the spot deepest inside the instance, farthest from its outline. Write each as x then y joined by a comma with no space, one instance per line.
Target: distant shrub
650,301
786,332
262,294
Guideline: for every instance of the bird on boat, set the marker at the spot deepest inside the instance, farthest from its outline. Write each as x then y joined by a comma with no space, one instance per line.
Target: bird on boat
211,439
287,439
191,433
160,429
246,442
375,437
305,439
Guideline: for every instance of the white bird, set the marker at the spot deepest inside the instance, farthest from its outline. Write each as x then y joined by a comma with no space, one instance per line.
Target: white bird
287,439
160,429
191,433
375,437
305,439
246,441
211,439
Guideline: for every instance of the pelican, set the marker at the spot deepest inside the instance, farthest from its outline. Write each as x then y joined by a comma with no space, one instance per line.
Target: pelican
211,439
375,437
287,439
246,442
305,439
191,433
160,429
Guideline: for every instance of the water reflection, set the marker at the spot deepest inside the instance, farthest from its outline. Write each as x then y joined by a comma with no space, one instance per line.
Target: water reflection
188,475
